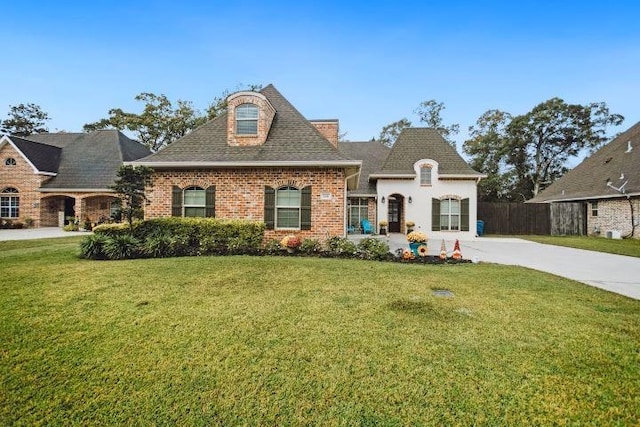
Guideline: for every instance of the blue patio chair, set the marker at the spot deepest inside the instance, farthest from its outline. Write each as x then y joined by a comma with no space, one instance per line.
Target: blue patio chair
366,226
351,229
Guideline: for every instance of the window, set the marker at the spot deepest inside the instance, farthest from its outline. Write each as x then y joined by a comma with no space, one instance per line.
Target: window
288,207
9,203
10,161
450,214
358,210
425,175
594,208
246,119
194,201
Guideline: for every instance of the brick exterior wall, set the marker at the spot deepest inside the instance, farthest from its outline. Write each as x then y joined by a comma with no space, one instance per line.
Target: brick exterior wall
614,214
330,129
240,195
265,118
22,177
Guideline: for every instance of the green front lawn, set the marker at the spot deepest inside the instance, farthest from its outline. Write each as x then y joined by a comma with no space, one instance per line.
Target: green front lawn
303,341
629,247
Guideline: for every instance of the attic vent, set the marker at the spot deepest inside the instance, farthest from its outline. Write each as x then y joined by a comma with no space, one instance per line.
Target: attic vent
607,160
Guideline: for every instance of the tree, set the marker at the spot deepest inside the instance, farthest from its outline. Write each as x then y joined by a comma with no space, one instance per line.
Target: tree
130,185
390,132
530,151
159,124
429,113
24,120
486,146
541,141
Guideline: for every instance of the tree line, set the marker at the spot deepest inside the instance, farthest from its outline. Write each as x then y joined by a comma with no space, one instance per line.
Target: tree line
521,154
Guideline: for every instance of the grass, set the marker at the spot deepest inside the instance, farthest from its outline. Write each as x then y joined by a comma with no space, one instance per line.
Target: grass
629,247
303,341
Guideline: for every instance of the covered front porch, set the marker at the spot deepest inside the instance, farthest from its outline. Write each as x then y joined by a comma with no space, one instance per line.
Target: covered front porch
60,209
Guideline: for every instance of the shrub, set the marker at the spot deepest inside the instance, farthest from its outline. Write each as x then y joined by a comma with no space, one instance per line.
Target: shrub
70,227
372,248
272,247
28,222
157,246
123,246
92,247
111,229
341,246
310,246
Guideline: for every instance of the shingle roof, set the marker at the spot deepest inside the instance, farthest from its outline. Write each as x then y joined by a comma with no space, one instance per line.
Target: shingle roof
372,154
58,139
45,158
414,144
292,138
92,160
588,180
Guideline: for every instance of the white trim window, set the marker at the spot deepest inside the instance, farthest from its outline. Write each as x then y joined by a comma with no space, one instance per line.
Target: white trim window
194,202
10,161
9,203
247,119
594,208
288,200
425,174
450,214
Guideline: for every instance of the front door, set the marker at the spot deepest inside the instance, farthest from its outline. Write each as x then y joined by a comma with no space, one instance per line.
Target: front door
395,213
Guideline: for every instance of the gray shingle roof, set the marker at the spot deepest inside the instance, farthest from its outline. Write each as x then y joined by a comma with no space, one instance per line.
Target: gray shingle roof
292,138
372,154
91,161
414,144
588,180
45,158
59,139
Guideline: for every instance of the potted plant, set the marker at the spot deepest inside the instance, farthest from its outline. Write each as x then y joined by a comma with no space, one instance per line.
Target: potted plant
291,243
410,225
417,242
383,226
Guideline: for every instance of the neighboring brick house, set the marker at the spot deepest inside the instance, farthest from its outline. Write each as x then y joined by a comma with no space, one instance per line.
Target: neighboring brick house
608,184
421,179
48,177
262,160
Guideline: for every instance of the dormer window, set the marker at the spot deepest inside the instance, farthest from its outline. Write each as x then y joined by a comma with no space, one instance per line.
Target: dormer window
425,175
247,119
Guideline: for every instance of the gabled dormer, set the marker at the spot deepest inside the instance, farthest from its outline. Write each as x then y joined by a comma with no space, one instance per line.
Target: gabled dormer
249,119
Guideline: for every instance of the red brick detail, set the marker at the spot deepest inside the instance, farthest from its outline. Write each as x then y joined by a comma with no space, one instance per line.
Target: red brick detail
240,195
330,129
265,118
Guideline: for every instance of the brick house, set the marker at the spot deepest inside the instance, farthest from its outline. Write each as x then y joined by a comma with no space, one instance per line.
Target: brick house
261,160
422,179
607,183
48,177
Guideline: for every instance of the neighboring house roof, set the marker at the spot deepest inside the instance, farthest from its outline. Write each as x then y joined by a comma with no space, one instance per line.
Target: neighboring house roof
373,155
613,163
414,144
292,140
91,161
44,158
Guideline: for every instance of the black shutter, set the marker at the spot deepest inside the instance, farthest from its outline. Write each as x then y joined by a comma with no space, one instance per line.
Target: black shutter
464,215
435,214
270,207
305,208
210,203
176,203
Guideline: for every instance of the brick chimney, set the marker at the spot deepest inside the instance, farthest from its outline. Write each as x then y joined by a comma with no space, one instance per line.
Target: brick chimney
329,129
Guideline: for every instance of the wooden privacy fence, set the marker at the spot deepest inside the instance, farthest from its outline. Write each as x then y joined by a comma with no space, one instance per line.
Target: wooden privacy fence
533,218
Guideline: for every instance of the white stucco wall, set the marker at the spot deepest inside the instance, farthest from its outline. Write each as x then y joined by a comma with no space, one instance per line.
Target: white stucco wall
419,210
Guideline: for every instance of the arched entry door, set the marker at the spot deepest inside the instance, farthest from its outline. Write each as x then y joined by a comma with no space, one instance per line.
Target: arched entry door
394,214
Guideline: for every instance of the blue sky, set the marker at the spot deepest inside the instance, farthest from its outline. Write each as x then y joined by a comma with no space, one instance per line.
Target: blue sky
364,63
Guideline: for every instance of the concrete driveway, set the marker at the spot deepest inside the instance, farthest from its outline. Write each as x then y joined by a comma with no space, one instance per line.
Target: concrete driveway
37,233
615,273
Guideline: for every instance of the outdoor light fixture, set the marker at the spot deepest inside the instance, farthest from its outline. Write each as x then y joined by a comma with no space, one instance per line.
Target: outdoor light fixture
410,199
382,199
